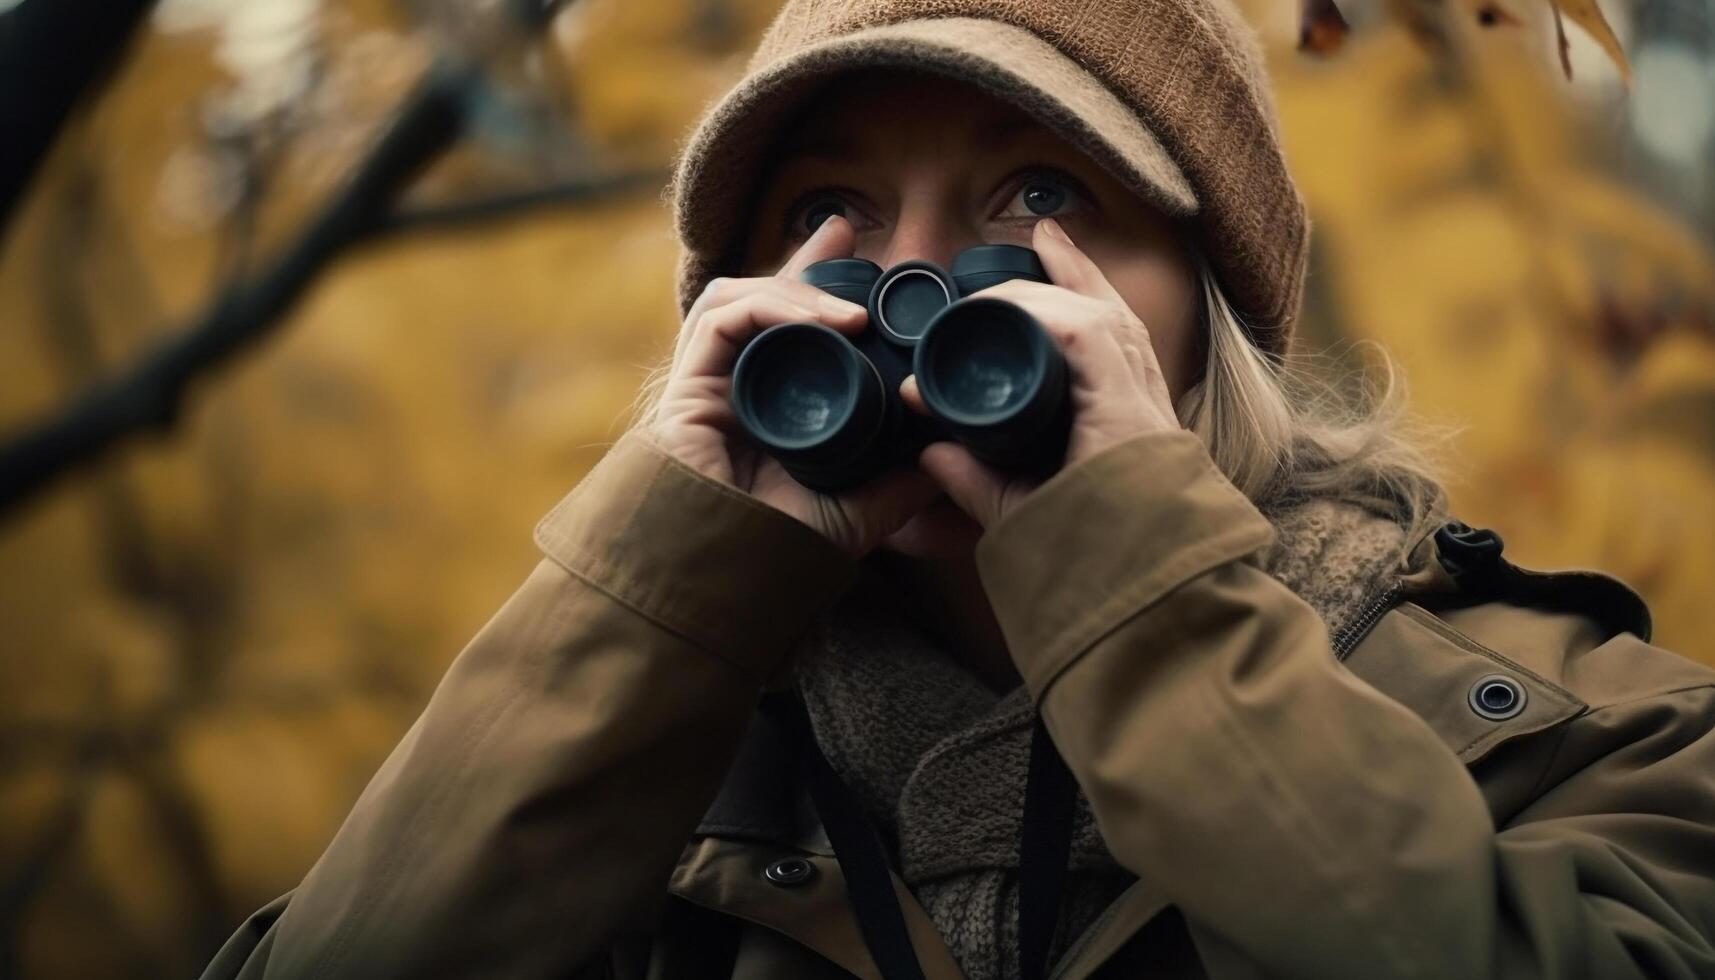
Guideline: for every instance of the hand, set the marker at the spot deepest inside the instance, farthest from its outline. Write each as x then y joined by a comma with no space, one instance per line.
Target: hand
695,422
1118,390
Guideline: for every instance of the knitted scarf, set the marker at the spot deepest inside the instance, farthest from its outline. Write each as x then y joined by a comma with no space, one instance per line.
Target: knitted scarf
939,759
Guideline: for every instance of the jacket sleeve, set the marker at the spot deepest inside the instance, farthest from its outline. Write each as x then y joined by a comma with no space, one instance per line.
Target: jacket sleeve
539,803
1312,824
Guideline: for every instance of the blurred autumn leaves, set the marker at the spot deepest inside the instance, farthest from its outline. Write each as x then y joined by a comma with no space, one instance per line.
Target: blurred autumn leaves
1467,216
1323,28
212,641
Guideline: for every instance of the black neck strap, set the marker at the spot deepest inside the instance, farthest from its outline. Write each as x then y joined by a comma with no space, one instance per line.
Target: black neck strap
861,857
1044,848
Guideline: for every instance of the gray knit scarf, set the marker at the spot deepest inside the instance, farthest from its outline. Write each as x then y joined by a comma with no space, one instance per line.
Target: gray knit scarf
939,759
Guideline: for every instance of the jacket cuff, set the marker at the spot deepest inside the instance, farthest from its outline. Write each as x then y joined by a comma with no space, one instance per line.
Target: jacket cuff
731,574
1107,538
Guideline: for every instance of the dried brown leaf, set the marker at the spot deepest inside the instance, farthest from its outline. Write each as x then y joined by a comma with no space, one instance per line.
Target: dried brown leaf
1560,39
1587,15
1322,28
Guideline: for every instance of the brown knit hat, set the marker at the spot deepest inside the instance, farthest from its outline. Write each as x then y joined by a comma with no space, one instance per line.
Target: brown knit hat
1170,96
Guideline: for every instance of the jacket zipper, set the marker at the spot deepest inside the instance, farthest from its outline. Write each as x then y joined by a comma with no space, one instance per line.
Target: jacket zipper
1349,635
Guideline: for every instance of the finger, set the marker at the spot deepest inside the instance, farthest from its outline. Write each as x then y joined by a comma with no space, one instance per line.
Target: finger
1154,378
1068,266
786,299
1087,331
912,397
888,502
1144,367
841,315
716,292
718,336
1150,380
834,238
1135,364
701,401
1141,346
977,489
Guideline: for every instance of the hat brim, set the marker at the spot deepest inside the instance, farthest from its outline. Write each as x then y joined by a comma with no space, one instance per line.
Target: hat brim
718,171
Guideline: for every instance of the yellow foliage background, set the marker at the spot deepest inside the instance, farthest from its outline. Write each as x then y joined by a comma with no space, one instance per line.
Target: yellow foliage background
211,640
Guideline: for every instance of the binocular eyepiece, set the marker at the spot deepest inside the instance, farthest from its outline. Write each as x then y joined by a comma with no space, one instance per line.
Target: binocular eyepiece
828,408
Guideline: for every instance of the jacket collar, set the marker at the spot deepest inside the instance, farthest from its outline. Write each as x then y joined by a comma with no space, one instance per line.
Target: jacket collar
1455,564
762,812
763,817
763,798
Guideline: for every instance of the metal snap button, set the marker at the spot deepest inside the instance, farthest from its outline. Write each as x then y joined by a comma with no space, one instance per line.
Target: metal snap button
1497,697
788,872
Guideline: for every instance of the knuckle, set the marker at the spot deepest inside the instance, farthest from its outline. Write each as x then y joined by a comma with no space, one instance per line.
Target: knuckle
769,305
1010,288
1119,320
794,291
720,290
749,304
764,294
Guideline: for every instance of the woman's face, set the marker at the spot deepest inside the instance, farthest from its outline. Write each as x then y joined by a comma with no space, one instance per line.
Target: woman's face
924,167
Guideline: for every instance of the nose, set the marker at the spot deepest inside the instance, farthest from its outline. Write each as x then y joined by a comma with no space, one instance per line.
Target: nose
930,226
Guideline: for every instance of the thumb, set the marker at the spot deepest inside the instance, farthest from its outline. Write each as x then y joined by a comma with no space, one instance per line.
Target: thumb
977,489
887,503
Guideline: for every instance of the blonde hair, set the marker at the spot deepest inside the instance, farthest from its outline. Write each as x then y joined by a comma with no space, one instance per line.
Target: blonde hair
1285,430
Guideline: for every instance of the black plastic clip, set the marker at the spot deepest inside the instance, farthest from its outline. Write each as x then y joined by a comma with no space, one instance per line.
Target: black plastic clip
1471,555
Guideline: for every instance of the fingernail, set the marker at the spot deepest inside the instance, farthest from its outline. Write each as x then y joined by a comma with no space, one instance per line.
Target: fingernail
1054,230
834,306
822,227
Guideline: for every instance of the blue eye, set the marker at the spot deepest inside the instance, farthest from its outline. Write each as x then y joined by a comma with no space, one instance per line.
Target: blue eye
1041,196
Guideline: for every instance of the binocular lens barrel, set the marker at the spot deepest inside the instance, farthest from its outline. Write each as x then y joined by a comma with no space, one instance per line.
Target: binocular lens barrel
803,389
982,266
827,406
813,401
991,374
849,279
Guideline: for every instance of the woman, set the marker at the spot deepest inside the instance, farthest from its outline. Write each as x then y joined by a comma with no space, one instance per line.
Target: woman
1309,728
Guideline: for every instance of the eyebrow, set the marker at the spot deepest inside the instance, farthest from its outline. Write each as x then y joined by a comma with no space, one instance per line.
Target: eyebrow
840,148
1003,133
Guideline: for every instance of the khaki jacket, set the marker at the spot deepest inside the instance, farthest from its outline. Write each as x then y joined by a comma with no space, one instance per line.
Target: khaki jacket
1294,804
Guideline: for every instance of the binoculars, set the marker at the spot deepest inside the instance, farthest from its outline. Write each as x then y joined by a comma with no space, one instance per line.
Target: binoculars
828,407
